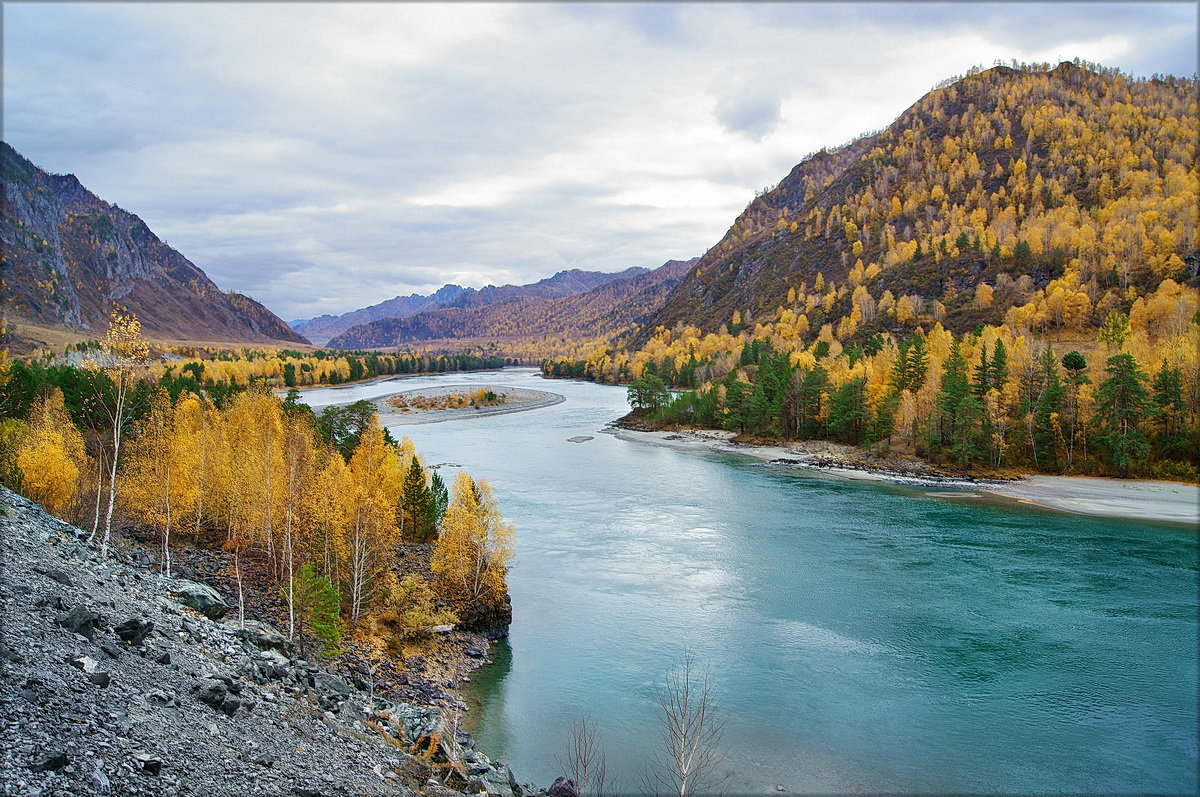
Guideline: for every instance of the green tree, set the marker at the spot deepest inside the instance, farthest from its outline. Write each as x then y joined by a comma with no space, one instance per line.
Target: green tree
316,603
1122,404
1046,413
1115,330
416,507
1168,399
648,393
1076,367
955,388
849,413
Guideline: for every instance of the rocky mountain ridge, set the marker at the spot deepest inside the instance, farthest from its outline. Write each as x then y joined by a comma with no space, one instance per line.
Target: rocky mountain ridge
601,311
69,256
322,329
118,680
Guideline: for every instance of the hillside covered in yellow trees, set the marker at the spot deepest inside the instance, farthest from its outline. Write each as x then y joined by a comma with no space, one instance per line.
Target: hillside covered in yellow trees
1005,276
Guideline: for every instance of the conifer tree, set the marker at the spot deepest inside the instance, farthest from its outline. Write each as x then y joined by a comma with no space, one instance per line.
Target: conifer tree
1123,403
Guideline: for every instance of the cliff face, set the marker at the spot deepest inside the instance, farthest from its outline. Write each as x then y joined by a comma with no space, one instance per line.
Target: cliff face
69,256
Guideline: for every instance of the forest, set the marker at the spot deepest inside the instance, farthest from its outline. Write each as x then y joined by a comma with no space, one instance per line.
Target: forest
1004,278
326,504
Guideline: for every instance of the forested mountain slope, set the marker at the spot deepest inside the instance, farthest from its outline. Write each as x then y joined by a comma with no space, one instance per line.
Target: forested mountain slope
565,283
1071,190
69,255
601,312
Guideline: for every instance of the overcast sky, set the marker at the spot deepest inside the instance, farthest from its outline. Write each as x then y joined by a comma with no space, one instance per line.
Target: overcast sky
324,157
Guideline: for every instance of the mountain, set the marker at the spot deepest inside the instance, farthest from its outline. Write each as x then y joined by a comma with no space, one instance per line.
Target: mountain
565,283
1064,192
69,256
603,311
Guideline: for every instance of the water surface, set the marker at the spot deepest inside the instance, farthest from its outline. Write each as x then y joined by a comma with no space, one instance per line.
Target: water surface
859,637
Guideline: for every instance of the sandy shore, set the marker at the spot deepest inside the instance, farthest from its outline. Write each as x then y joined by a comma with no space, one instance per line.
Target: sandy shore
1169,502
516,399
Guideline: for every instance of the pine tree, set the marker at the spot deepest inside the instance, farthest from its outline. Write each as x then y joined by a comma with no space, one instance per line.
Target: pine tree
417,505
849,413
1046,413
316,604
1123,403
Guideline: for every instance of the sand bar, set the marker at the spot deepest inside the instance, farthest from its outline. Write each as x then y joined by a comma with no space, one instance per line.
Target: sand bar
516,399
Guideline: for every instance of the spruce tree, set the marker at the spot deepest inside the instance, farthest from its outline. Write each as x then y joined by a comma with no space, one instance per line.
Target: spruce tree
1122,404
317,605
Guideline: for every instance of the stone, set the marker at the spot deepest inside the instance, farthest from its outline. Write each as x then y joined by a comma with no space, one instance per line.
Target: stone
134,630
51,762
475,652
264,636
200,597
85,663
110,647
151,765
563,787
331,685
99,782
213,694
100,679
81,620
59,576
163,658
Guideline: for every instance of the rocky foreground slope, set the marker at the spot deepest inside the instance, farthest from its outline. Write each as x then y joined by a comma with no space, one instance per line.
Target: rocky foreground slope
117,680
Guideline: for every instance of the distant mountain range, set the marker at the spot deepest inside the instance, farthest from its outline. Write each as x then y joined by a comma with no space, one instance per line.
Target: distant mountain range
69,256
322,329
572,304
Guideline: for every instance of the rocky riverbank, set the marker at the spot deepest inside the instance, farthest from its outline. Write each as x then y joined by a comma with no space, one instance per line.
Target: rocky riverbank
117,680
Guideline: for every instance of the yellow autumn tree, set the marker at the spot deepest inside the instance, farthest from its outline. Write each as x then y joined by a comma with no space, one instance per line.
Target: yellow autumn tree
50,455
472,552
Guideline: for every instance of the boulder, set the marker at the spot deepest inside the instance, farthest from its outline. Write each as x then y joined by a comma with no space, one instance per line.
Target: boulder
81,620
133,631
264,636
563,787
201,597
332,685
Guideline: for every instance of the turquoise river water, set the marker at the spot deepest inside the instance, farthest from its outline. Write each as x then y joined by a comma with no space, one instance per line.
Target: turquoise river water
860,637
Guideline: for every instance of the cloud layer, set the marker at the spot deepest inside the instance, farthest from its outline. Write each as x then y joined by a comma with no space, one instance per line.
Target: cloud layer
323,157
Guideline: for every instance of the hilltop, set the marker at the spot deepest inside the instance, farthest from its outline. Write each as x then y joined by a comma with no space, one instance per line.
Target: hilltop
69,256
1009,178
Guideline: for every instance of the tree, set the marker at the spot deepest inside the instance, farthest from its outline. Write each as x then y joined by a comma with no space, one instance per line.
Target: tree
1115,330
50,454
1076,367
1168,399
648,393
439,500
123,351
416,507
583,758
690,759
954,390
1046,413
471,554
849,413
1123,403
316,604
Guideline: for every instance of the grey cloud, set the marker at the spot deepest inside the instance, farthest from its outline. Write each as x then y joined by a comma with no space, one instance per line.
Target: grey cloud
296,166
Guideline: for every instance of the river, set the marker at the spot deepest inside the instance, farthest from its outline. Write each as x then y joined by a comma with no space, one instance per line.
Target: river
859,637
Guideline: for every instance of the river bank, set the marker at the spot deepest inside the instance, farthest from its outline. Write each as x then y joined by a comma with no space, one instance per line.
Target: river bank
1158,501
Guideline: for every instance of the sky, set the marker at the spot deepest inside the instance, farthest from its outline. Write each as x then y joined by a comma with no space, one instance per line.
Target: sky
321,157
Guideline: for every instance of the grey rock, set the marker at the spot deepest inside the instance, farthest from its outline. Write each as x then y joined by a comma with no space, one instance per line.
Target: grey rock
475,652
331,685
134,630
151,765
57,575
264,636
563,787
85,663
81,620
100,679
51,762
110,647
201,597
